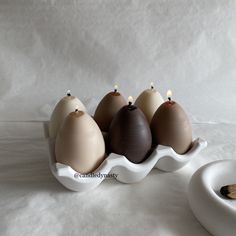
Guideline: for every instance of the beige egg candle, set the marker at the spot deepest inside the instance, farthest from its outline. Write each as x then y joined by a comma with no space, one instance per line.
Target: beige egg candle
148,102
170,126
107,109
80,143
62,109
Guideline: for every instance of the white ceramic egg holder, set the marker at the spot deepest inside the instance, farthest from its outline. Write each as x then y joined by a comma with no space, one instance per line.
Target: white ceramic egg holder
215,212
162,157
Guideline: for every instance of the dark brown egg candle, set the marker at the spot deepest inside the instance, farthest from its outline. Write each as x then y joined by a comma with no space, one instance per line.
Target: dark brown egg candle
107,108
130,134
170,126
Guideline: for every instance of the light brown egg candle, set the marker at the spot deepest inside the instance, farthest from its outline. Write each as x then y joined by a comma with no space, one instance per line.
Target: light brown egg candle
107,109
170,126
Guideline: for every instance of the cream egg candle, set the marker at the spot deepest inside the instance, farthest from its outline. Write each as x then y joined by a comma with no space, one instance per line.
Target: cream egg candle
170,126
66,105
107,108
80,143
148,101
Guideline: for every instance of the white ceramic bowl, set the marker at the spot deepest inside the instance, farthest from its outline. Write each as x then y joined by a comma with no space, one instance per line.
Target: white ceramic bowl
163,158
216,213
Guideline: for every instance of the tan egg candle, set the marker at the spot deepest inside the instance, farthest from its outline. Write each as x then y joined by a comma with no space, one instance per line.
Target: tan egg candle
80,143
107,109
148,102
170,126
66,105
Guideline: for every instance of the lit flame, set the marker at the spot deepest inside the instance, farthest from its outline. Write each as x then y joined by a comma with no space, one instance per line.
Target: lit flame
76,108
116,87
68,93
152,85
169,94
130,99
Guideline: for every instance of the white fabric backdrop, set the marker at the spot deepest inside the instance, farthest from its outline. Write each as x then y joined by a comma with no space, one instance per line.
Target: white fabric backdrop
47,47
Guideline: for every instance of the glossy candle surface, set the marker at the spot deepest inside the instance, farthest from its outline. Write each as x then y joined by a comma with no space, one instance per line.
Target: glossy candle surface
66,105
130,134
80,143
107,109
149,101
171,127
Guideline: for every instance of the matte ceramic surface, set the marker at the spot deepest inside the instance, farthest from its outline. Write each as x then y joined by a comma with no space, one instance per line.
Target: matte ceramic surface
107,109
66,105
170,126
216,213
163,158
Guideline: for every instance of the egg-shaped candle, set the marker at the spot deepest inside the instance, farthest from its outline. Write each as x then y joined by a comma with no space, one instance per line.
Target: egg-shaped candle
107,108
80,143
148,102
170,126
130,134
66,105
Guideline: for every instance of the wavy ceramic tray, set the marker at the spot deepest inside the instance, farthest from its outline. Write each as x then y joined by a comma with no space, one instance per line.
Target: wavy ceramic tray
163,158
216,213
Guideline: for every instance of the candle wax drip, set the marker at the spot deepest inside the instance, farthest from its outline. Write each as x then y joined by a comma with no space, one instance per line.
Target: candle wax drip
131,107
115,93
170,103
77,113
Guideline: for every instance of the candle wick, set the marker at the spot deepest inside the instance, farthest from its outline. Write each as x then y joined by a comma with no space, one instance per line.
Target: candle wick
115,90
76,110
130,103
152,87
169,98
68,94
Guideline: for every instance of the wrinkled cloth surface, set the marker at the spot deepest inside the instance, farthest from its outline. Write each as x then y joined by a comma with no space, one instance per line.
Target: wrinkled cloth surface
32,202
88,46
